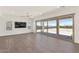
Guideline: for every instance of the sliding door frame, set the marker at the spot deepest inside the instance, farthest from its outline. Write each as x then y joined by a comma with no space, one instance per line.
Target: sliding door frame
64,17
57,18
36,24
56,23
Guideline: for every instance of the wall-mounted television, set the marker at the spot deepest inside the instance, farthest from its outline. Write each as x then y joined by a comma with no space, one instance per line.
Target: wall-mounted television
20,24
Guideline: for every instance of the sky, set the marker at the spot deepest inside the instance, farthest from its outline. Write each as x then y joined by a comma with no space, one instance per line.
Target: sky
65,22
62,22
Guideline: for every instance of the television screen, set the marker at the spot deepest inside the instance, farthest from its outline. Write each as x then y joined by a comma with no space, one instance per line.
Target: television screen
20,24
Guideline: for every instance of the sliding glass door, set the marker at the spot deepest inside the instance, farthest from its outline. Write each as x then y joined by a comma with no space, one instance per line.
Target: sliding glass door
58,27
52,26
45,24
66,26
39,26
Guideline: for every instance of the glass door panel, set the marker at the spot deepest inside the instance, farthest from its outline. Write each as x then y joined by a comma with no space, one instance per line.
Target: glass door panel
38,26
66,26
45,26
52,26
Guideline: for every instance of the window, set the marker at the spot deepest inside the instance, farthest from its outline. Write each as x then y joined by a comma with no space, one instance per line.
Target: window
52,26
66,26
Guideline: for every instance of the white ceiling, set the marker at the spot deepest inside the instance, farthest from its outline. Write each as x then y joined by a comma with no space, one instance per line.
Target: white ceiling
24,10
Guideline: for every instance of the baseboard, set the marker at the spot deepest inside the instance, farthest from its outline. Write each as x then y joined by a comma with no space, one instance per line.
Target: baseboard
17,34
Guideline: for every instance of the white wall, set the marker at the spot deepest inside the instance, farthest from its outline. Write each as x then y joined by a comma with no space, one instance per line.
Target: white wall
5,19
65,11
